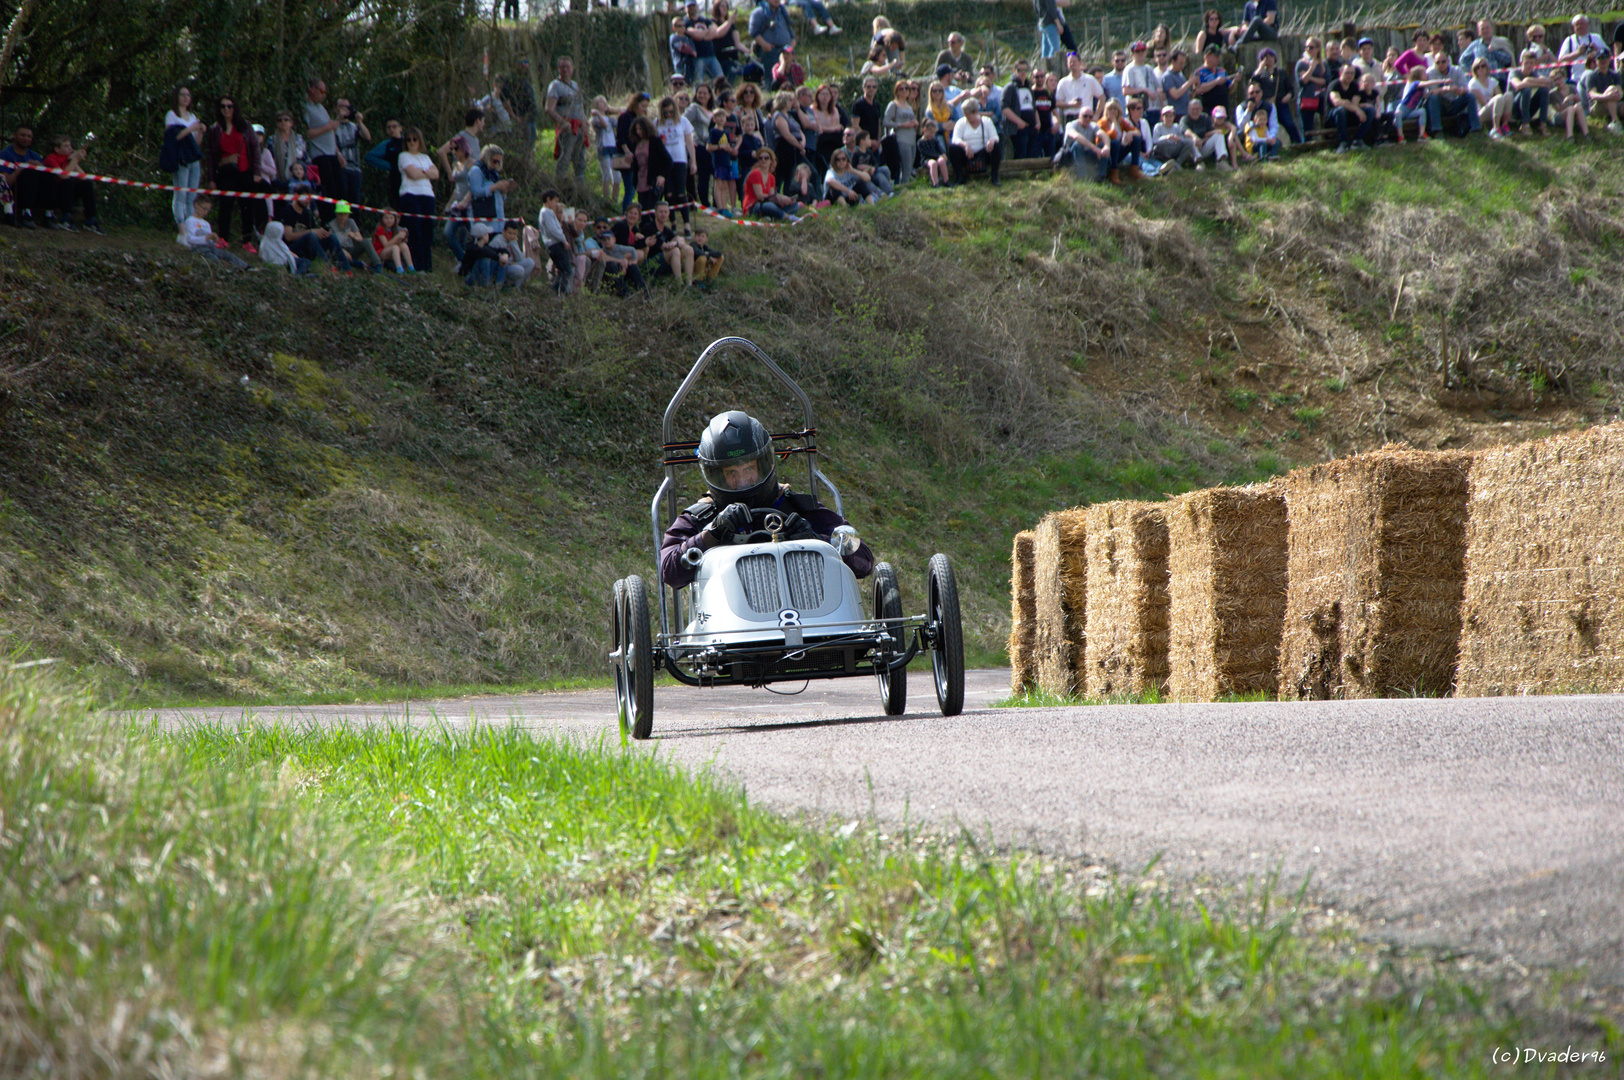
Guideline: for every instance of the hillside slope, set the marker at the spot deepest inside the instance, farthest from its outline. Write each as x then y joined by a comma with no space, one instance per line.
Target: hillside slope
248,486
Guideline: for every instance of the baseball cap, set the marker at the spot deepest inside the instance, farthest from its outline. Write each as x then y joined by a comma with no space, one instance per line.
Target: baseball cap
1212,49
341,208
1219,112
943,69
1138,46
1365,41
480,229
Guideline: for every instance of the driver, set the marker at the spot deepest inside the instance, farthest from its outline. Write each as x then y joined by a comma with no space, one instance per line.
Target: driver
739,464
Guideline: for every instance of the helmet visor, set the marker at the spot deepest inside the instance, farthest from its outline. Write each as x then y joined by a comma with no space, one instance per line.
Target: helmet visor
739,474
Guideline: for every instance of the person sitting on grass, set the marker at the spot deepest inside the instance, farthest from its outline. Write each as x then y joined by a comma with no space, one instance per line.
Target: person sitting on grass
305,236
1355,120
1531,93
1171,144
974,144
843,184
760,198
707,260
620,261
274,251
804,188
521,264
1087,149
481,264
1260,129
200,236
588,255
675,256
391,244
356,247
1600,91
73,187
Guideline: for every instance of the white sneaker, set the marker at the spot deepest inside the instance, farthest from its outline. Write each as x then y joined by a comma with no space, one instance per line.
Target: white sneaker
833,29
1497,134
1616,128
816,29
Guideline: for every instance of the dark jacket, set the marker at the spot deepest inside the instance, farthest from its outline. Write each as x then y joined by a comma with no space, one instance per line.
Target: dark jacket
684,534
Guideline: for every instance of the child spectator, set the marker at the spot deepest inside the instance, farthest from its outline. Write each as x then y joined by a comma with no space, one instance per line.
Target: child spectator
358,251
603,140
556,243
723,146
481,264
934,154
273,251
390,243
804,188
72,187
521,264
683,53
1412,104
200,237
707,260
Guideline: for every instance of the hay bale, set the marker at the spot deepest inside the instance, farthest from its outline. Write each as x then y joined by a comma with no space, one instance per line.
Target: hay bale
1022,615
1544,603
1226,566
1375,572
1126,640
1059,580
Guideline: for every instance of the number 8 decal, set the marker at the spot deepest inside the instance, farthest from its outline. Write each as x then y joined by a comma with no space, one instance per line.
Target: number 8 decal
789,617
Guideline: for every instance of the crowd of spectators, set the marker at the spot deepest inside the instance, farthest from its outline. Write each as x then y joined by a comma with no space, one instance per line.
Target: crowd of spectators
740,132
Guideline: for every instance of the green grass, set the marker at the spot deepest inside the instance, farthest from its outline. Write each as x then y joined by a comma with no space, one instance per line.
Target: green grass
486,903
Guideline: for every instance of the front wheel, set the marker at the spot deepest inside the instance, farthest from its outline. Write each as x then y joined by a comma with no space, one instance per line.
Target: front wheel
947,654
638,665
617,650
888,605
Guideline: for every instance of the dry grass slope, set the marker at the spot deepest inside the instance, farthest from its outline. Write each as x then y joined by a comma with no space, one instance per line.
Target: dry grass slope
1059,588
1227,591
1544,601
1127,598
1375,575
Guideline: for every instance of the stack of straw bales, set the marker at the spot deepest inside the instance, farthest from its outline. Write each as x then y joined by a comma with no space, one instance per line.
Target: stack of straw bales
1059,582
1023,615
1227,591
1376,573
1126,646
1544,598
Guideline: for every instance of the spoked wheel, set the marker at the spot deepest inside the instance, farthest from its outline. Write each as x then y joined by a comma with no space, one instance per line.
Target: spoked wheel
617,649
947,655
637,667
888,605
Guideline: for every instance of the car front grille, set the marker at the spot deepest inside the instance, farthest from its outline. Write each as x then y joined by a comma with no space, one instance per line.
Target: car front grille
759,576
804,570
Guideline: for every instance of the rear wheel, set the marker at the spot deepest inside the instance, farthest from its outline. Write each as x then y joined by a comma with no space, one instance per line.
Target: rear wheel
638,668
617,649
947,655
888,605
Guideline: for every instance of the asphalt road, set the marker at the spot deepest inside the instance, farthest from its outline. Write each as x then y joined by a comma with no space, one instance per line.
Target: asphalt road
1493,826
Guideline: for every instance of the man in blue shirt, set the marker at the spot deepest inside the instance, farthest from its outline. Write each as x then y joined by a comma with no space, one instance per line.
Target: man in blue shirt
25,184
771,32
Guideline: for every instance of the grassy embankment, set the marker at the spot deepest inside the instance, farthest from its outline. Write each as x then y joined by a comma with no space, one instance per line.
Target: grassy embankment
418,488
354,903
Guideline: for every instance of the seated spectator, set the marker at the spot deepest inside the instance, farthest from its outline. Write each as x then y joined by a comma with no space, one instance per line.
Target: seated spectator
804,187
1279,90
590,260
1365,60
1089,151
1493,105
350,134
879,63
358,250
391,243
975,143
1124,143
1531,93
1212,32
1579,47
73,187
274,252
1260,125
554,240
954,57
938,109
481,264
707,260
304,235
1354,118
1260,21
1223,125
200,237
620,260
27,186
1170,144
1412,105
843,184
761,196
866,161
1600,92
1211,144
818,15
1448,95
1312,83
669,253
1486,45
1565,105
933,152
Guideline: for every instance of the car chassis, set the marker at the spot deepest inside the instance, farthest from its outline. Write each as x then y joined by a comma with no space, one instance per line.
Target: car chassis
766,609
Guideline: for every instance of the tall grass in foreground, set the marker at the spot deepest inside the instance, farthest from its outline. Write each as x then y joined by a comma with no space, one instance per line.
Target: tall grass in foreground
270,901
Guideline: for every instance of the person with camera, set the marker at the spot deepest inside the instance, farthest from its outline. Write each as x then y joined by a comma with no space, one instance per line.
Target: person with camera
739,467
350,134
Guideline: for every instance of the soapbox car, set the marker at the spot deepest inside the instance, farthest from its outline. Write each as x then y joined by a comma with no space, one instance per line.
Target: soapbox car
767,609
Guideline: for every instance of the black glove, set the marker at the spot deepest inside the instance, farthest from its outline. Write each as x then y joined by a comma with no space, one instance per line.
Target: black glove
729,520
797,527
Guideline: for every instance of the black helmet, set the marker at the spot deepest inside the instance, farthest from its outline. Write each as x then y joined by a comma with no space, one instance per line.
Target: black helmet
733,439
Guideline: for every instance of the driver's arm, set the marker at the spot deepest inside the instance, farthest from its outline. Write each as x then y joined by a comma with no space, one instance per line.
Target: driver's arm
824,522
683,534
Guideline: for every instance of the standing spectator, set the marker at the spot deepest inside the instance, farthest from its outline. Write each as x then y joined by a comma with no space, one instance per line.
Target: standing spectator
1279,90
1493,104
830,121
1077,91
287,153
1259,22
1417,55
975,141
417,176
703,33
1043,84
1450,96
1139,81
473,126
72,187
602,126
1313,80
232,150
1354,119
866,111
636,106
1020,112
1212,82
698,114
458,208
1578,47
1172,80
770,33
1531,93
1051,24
1112,80
901,123
1488,46
683,51
788,139
1599,90
350,134
750,101
1333,68
678,136
554,240
722,148
185,131
565,107
648,162
385,157
954,56
522,102
486,187
321,135
26,184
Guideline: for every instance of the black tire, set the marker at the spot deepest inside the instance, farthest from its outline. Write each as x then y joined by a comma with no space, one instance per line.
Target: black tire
947,657
617,645
639,666
888,605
